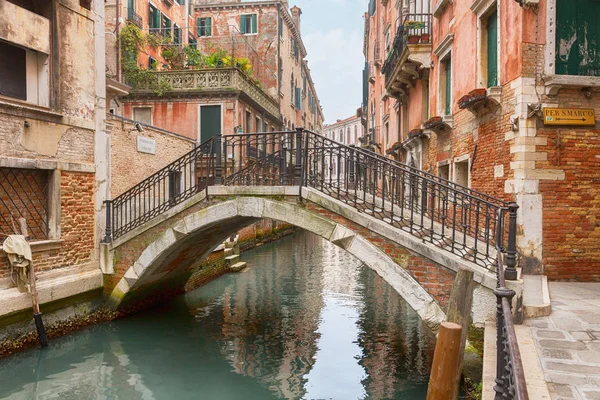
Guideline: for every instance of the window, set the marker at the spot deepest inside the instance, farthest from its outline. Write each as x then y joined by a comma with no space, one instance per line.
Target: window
387,40
294,49
298,98
461,172
192,41
165,26
577,37
446,85
24,74
248,120
386,131
248,24
256,124
151,63
444,171
143,115
176,34
492,49
24,193
153,19
204,27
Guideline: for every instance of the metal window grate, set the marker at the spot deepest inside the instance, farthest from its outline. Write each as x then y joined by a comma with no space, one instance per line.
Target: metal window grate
24,193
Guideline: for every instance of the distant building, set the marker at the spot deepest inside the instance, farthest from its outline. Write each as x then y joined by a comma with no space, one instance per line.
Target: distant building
217,67
348,131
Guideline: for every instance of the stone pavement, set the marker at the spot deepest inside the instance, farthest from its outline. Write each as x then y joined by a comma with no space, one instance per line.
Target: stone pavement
568,341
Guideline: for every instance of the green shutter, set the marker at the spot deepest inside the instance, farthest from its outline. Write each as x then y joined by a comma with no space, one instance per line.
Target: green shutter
577,37
254,23
208,26
198,27
492,50
243,24
210,122
448,104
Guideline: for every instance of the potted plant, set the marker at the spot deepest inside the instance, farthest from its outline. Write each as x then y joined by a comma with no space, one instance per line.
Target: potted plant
414,36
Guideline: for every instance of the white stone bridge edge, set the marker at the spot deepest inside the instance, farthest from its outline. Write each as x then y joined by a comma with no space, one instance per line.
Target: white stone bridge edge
261,207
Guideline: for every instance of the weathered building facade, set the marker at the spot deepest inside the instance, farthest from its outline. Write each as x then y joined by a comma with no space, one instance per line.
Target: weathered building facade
465,89
212,67
53,147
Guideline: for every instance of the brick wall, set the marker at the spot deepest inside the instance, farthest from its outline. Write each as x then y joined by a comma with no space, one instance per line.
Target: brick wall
128,165
77,226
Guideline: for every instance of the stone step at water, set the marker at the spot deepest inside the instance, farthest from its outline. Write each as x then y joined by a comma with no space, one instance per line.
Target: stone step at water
232,259
228,251
237,267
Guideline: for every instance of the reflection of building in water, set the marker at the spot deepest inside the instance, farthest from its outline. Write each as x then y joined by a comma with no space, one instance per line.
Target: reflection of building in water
397,346
270,317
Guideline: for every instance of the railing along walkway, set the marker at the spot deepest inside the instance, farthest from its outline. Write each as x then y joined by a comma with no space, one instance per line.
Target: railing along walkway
451,217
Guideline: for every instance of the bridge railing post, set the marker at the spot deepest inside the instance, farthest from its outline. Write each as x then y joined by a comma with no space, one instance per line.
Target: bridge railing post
511,249
298,164
350,166
108,230
218,159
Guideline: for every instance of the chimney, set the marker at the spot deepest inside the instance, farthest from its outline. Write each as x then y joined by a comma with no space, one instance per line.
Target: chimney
296,13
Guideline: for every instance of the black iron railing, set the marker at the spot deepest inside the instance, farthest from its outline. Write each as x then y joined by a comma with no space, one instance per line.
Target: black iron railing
134,18
415,29
510,375
437,211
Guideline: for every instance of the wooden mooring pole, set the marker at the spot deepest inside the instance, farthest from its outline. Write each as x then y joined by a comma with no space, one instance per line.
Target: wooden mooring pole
442,380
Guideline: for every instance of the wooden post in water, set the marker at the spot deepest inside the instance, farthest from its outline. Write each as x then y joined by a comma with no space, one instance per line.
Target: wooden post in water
442,382
459,312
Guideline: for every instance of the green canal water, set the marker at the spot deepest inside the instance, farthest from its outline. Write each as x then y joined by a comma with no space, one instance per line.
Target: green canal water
305,321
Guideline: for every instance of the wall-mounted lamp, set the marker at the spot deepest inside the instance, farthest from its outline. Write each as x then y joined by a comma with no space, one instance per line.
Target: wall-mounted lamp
139,127
27,124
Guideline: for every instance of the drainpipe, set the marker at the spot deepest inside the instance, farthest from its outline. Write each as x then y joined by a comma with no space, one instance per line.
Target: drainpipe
118,47
279,19
186,16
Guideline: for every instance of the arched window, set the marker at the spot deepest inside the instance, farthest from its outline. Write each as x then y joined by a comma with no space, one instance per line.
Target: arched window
355,133
341,139
348,138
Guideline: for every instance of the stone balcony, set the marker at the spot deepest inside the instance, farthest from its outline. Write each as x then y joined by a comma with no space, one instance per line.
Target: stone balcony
204,82
410,53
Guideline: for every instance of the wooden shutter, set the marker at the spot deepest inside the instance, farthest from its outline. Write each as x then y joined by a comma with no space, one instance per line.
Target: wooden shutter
577,37
448,104
492,50
198,26
254,23
243,24
208,26
210,122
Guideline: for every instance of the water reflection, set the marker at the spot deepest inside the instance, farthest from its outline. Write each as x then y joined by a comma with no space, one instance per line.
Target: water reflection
305,321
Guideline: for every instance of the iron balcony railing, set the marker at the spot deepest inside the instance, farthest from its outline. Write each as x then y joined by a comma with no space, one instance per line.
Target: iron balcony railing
135,18
415,29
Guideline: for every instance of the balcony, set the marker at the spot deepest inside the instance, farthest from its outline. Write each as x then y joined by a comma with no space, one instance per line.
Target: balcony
411,51
134,18
203,82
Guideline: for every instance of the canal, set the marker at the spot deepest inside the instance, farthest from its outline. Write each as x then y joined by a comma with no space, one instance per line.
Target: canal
305,321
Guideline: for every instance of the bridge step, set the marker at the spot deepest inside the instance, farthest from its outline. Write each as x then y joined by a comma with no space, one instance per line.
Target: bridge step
237,267
232,259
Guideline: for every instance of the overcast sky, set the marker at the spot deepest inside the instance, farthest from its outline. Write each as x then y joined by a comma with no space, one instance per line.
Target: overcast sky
332,31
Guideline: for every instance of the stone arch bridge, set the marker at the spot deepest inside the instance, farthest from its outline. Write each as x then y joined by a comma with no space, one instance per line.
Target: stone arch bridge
414,229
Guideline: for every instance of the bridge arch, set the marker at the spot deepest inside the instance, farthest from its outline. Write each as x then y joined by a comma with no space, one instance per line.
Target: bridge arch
178,248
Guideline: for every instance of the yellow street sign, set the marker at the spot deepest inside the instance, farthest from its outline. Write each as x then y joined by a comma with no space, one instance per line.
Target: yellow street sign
569,116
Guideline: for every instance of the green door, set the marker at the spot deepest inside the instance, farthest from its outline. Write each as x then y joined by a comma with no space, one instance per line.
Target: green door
210,122
492,50
577,37
448,104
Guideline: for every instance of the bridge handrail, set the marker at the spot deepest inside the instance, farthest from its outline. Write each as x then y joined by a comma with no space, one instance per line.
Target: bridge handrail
510,374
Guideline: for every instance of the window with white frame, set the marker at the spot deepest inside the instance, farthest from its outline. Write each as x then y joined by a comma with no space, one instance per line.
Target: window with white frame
249,24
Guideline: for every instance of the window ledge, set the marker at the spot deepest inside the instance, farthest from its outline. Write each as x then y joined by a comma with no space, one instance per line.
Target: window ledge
45,245
26,107
440,7
556,82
